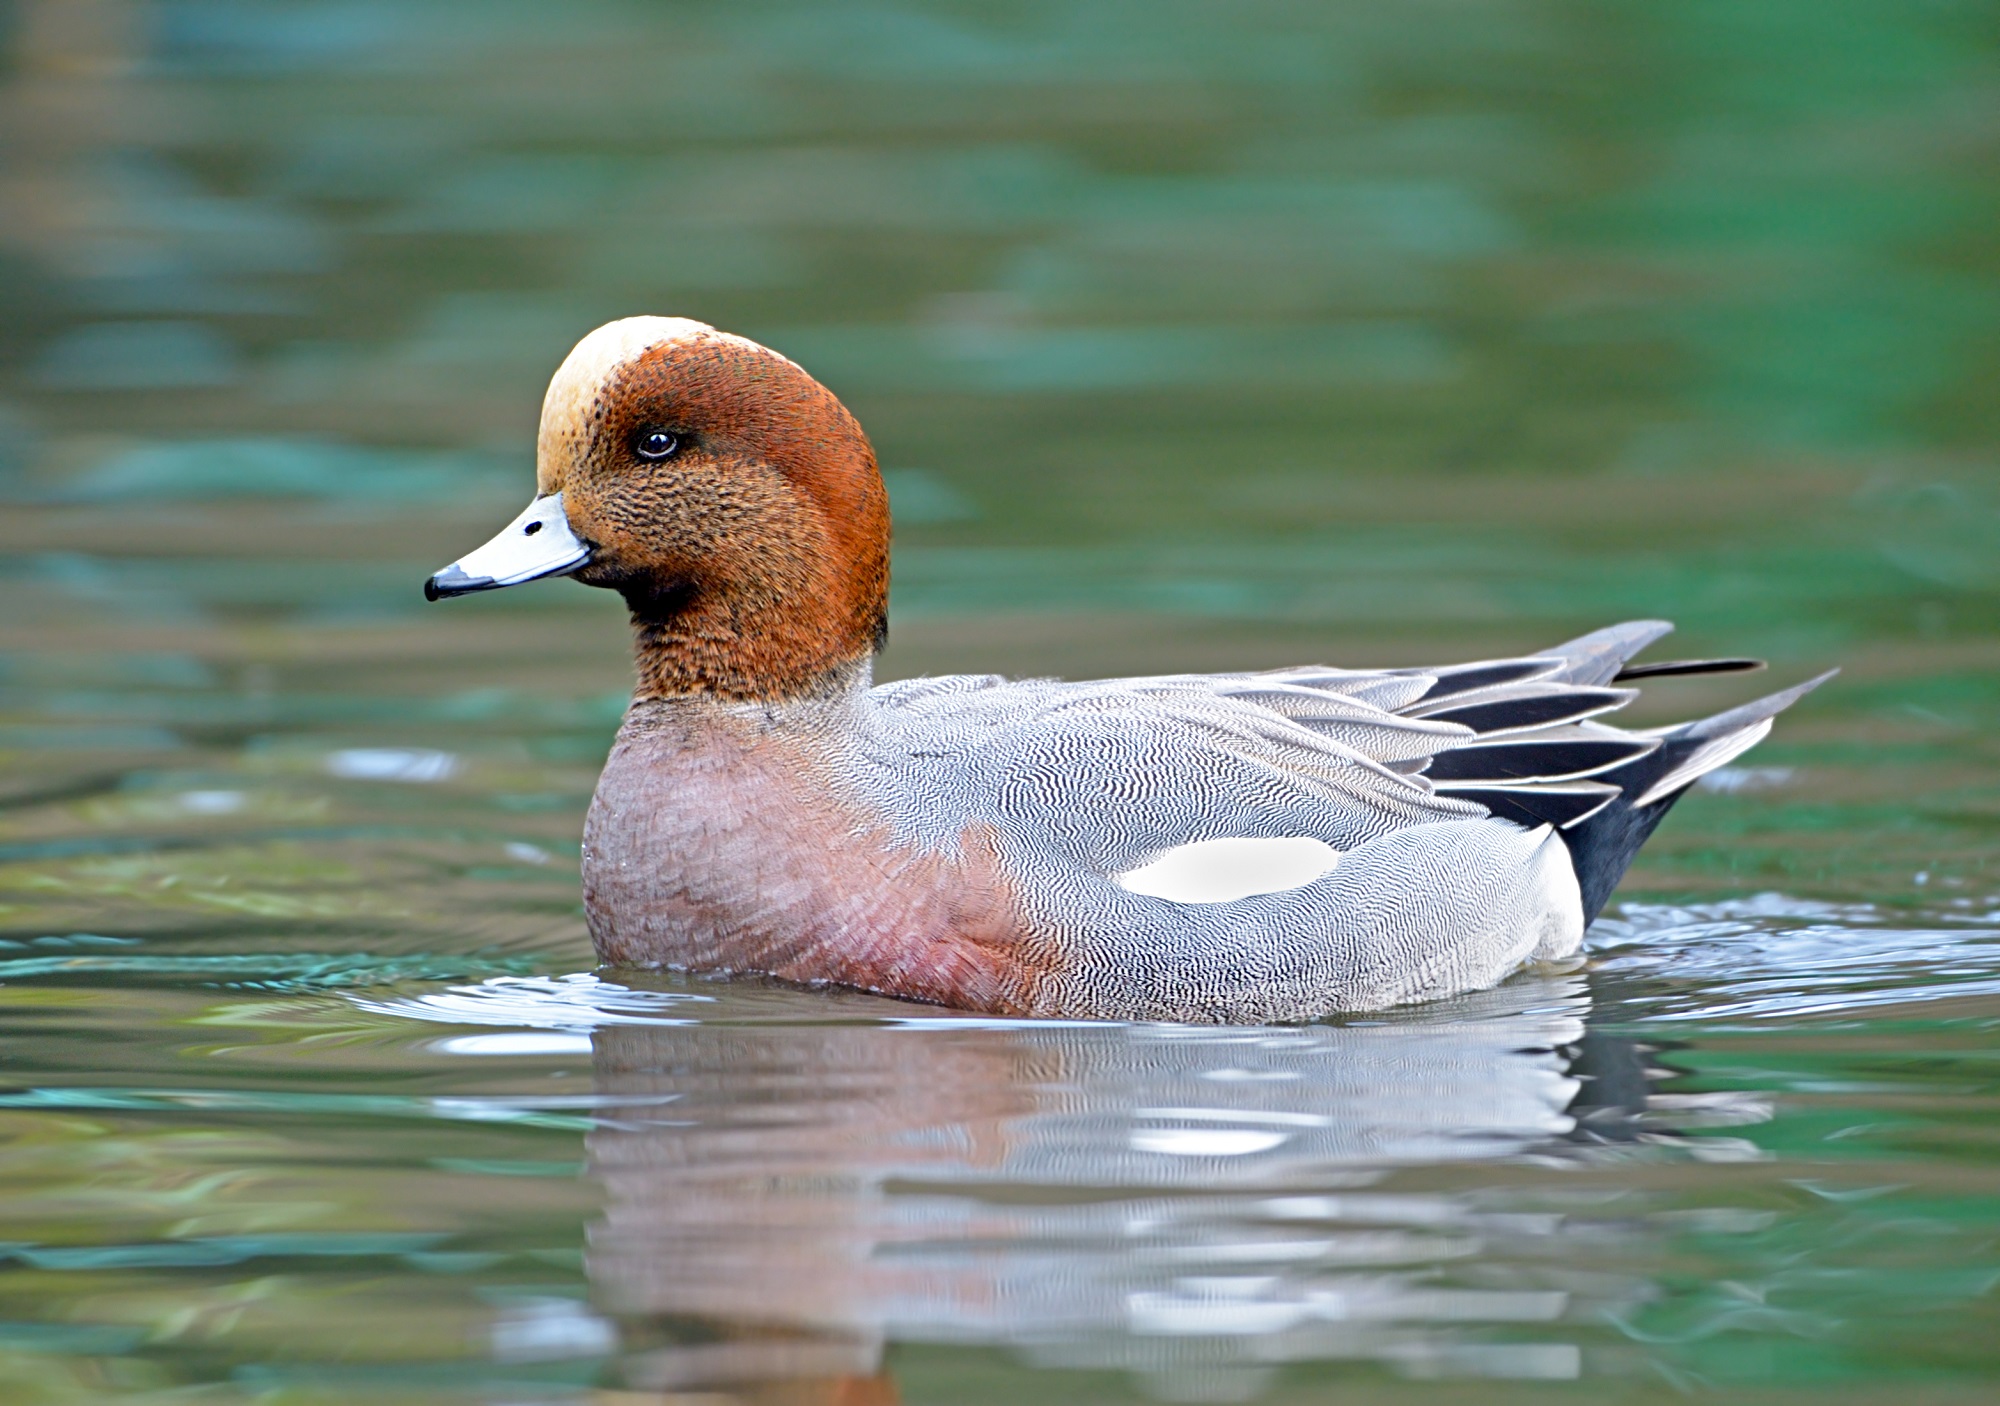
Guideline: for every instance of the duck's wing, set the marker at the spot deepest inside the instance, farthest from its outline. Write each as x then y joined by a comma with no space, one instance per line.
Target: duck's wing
1121,769
1540,753
1133,767
1342,755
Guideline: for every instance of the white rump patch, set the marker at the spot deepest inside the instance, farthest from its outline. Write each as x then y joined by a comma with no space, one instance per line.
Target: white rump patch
1222,871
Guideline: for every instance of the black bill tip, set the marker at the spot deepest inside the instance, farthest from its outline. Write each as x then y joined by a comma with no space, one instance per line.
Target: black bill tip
453,582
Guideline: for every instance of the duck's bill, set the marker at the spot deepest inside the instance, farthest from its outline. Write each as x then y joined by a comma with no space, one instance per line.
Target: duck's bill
538,543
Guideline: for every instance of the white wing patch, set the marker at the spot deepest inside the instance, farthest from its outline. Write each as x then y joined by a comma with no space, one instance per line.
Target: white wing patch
1222,871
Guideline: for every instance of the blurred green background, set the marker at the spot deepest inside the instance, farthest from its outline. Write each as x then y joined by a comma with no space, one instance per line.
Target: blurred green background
1191,336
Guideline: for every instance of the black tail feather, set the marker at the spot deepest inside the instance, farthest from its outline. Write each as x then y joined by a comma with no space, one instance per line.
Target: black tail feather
1560,758
1536,760
1602,845
1666,667
1534,806
1473,678
1521,712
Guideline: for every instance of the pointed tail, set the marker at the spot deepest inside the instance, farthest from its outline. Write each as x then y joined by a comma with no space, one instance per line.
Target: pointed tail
1602,845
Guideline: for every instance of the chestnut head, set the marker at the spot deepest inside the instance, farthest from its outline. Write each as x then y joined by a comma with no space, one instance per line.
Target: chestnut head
726,494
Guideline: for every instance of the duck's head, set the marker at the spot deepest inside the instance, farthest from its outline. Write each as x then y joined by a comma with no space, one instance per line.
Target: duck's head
727,495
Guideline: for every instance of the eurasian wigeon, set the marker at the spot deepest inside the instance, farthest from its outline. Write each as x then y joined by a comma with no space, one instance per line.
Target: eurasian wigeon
1201,847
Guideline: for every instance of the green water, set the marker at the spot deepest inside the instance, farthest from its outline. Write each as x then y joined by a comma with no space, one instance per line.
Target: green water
1192,336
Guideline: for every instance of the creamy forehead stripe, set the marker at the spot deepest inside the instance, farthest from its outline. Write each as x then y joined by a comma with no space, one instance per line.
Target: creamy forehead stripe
591,361
594,360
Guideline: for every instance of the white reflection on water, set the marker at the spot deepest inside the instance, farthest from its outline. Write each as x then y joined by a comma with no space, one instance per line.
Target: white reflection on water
550,1042
418,765
1185,1203
549,1329
794,1181
577,1002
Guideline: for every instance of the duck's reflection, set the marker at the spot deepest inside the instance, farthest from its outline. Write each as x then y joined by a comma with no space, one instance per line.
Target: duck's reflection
1183,1202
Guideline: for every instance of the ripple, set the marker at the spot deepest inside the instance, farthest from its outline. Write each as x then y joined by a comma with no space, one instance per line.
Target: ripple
212,1251
251,971
578,1002
565,1112
1771,955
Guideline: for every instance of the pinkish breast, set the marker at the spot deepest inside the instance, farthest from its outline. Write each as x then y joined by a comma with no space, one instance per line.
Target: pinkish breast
715,845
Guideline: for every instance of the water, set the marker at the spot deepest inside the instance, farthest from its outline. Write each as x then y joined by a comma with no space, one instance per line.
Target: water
1192,337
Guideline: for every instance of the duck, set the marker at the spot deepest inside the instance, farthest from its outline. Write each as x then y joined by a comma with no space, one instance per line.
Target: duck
1243,848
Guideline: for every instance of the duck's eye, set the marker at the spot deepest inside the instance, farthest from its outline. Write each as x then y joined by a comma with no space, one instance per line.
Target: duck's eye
656,444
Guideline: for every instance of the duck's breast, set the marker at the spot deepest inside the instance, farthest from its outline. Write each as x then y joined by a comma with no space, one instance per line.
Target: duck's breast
714,845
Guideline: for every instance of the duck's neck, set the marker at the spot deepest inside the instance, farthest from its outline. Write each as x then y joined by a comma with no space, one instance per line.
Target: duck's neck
692,646
839,703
